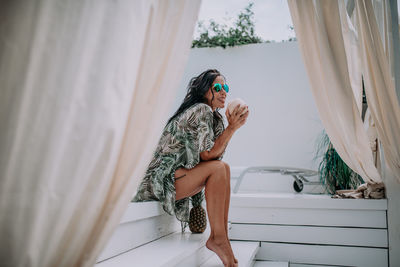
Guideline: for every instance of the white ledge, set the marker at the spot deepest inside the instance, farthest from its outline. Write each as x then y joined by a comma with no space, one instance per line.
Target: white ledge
305,201
142,210
164,252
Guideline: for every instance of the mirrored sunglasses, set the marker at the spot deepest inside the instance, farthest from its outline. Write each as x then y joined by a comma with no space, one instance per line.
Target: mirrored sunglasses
218,87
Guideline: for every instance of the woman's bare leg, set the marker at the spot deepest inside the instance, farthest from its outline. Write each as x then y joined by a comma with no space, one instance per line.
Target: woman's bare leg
227,200
212,175
227,196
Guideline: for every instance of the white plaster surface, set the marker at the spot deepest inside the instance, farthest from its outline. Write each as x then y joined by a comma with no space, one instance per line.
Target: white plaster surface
283,123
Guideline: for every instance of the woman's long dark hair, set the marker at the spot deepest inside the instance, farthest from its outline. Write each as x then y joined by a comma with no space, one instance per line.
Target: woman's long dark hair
196,90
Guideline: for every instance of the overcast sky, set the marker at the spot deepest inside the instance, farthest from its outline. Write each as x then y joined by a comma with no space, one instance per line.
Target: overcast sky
271,17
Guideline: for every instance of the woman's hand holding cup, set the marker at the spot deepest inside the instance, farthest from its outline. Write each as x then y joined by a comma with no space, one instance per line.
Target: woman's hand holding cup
238,116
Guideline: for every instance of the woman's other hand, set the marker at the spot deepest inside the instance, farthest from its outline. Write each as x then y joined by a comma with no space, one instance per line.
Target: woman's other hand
235,120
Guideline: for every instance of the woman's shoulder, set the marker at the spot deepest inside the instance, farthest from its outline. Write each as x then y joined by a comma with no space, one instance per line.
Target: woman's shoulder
196,113
200,108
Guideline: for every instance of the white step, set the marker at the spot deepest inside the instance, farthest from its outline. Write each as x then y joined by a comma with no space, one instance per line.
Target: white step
343,236
312,265
271,264
142,222
304,201
307,209
323,254
312,229
244,252
177,249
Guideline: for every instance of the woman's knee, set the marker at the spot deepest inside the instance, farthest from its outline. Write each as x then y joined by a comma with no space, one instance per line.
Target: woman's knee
223,167
227,168
218,170
227,172
218,166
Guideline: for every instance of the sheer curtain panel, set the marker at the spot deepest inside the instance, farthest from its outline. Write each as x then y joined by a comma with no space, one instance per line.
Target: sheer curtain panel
318,26
85,90
379,82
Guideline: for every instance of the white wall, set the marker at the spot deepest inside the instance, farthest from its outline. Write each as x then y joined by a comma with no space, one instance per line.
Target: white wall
283,123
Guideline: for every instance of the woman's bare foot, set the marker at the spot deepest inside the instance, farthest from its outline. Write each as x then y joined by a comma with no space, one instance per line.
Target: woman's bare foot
236,261
222,248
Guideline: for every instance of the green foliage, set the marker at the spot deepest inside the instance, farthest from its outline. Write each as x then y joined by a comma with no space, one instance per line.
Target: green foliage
334,173
220,35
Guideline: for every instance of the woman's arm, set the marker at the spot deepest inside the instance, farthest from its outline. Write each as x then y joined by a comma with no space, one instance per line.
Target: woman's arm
235,121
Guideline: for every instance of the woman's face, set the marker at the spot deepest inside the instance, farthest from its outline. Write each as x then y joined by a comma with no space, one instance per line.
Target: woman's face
219,97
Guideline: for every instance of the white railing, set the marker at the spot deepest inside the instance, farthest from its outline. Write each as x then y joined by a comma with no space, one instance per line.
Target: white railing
298,174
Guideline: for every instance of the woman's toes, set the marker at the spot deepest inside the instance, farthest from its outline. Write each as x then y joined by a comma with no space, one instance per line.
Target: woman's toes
222,249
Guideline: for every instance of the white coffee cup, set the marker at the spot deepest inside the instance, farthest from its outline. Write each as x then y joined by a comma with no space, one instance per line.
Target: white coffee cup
234,103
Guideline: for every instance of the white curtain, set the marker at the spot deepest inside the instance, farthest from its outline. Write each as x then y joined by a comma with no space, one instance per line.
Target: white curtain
85,90
379,82
331,72
350,41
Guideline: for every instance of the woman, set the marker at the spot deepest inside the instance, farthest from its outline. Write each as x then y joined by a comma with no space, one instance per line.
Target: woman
188,159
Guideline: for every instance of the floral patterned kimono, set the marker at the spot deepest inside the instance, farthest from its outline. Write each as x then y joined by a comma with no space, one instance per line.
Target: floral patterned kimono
183,139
